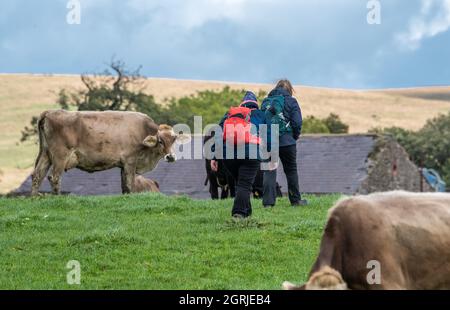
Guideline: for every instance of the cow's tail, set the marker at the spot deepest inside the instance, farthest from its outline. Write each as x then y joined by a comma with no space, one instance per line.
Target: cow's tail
42,140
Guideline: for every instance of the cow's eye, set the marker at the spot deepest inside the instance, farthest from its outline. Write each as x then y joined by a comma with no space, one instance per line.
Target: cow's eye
161,142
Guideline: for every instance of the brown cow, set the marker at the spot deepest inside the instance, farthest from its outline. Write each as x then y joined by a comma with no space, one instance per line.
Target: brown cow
407,233
96,141
141,184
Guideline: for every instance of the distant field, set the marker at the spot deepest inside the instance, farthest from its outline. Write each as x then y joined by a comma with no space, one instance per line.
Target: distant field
155,242
22,96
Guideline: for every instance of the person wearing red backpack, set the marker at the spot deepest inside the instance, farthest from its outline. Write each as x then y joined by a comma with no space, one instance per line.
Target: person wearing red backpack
242,141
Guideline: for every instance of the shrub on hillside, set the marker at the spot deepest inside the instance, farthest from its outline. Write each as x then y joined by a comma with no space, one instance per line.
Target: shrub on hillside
211,105
332,124
335,125
312,124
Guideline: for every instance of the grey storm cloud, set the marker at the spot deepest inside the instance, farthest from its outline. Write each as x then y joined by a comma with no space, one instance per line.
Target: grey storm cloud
323,43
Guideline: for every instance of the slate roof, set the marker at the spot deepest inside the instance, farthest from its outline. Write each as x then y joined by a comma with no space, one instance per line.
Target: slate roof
326,164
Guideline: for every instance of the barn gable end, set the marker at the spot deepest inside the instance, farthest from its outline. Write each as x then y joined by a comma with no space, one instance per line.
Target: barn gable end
390,168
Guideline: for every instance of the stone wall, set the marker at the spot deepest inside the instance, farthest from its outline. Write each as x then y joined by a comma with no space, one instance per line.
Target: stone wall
389,168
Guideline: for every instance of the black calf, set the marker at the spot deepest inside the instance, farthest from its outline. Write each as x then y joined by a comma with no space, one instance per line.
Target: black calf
222,179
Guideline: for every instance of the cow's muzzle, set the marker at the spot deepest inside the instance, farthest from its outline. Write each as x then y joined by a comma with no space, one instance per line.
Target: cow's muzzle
170,158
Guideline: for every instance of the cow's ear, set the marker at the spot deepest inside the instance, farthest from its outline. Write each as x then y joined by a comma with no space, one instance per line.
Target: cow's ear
150,141
165,127
183,139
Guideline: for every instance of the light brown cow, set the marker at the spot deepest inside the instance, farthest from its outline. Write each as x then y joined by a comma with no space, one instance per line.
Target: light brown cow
408,234
96,141
142,184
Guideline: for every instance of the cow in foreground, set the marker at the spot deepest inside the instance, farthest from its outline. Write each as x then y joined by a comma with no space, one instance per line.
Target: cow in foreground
142,185
408,234
96,141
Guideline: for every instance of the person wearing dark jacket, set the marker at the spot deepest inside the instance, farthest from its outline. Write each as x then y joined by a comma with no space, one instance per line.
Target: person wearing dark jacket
244,168
287,148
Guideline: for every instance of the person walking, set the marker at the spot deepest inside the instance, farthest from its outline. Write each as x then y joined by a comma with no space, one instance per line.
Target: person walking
242,132
282,109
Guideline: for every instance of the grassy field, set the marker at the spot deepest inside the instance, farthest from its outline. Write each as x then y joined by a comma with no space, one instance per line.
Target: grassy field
155,242
24,96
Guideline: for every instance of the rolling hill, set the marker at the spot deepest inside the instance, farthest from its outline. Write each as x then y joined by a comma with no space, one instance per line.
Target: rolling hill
24,95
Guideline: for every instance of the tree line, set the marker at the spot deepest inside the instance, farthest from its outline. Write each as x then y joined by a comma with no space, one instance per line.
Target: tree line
120,89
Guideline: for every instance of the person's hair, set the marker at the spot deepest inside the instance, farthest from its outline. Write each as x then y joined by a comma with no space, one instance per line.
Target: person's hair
286,85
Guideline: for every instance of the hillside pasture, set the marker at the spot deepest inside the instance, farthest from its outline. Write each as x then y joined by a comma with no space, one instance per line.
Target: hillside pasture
149,241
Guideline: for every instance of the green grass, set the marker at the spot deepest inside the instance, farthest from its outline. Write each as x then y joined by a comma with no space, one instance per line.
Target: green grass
156,242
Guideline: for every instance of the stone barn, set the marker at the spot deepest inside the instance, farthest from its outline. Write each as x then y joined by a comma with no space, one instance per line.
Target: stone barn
347,164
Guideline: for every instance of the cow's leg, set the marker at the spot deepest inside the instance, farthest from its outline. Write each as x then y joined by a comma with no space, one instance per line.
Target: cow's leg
40,171
225,192
55,177
128,176
123,181
213,187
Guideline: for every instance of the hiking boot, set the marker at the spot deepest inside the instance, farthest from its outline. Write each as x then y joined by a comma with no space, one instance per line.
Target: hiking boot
300,203
238,216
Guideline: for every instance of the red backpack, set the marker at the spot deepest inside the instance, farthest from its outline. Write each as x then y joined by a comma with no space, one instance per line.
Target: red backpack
238,125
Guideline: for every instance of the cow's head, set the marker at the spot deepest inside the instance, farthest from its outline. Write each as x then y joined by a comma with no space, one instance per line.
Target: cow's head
164,141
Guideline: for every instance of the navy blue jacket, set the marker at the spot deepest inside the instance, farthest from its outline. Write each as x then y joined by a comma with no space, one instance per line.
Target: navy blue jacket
293,115
257,118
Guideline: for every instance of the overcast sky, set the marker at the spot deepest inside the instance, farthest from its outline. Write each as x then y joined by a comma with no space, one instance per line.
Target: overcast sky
318,43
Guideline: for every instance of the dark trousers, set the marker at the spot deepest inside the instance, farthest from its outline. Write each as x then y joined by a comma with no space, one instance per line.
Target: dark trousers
288,157
244,173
